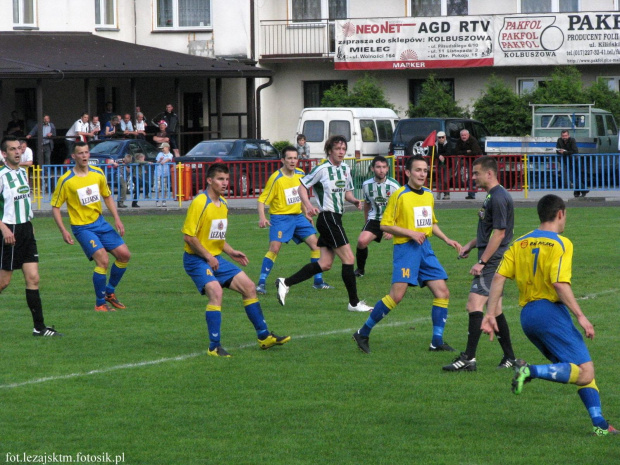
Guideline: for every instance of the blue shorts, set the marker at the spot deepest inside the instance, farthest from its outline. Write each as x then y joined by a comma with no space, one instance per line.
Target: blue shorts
97,235
287,227
201,273
550,328
416,264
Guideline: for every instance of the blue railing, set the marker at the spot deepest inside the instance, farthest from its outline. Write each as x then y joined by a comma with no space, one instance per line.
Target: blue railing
592,171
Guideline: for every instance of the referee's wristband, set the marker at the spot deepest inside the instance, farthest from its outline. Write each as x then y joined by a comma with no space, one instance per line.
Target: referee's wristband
480,262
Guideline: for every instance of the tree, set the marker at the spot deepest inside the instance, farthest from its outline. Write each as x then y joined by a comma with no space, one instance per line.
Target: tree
502,111
366,93
603,97
565,86
435,101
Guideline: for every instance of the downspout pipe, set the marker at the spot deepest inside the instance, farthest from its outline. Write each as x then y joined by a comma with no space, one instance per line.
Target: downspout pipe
258,106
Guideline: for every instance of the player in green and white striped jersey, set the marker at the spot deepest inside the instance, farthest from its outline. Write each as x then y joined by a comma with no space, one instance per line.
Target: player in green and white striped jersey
332,184
19,246
376,191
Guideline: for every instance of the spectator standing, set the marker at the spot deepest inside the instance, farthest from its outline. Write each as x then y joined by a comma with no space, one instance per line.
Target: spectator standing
162,174
127,182
112,128
140,126
162,135
142,177
27,157
303,149
172,126
107,114
80,131
443,169
49,132
468,146
127,126
567,147
95,127
19,246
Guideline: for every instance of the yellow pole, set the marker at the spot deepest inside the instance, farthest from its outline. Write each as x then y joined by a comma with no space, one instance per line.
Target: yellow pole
180,183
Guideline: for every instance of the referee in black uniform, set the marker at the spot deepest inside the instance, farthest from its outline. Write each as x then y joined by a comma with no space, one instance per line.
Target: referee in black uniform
19,246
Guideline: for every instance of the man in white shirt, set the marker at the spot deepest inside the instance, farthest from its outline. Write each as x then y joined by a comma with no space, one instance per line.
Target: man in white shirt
80,129
27,157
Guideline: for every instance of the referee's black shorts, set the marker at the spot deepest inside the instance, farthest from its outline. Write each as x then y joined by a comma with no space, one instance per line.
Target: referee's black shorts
331,232
374,227
12,257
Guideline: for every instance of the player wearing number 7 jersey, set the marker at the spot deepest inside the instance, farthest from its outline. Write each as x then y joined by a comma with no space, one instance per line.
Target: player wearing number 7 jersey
410,218
82,188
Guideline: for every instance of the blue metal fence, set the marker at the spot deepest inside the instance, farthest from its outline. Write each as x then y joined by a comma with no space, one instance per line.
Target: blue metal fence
591,171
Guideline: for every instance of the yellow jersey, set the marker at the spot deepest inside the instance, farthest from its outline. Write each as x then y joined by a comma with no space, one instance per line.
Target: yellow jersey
207,222
83,195
536,261
410,209
281,193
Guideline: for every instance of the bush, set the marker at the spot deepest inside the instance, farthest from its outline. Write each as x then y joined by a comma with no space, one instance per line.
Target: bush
366,93
502,111
280,144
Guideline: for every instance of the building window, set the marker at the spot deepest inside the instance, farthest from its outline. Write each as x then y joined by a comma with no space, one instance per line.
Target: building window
183,14
529,85
439,7
314,91
415,88
548,6
24,13
612,82
313,10
105,13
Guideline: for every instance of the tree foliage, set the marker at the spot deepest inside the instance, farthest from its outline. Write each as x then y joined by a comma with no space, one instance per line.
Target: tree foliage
502,111
564,87
603,97
435,101
366,93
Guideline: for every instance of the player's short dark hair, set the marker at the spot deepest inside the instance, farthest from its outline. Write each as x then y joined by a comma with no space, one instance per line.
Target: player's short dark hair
487,163
549,206
79,144
333,140
409,161
4,145
300,137
288,148
379,158
217,168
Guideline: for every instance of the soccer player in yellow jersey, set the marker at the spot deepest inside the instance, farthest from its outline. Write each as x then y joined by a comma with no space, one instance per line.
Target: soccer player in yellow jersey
204,232
410,217
286,221
82,188
541,264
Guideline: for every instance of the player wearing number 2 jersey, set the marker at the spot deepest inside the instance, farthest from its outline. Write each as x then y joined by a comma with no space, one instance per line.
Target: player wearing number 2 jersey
82,188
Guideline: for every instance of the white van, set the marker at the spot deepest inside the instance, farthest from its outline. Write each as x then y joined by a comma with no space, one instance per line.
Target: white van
368,131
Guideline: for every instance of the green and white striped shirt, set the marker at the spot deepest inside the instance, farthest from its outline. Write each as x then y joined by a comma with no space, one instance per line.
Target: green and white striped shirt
377,195
330,185
15,206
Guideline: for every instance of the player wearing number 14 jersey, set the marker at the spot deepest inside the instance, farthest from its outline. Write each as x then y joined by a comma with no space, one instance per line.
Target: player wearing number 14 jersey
82,188
410,218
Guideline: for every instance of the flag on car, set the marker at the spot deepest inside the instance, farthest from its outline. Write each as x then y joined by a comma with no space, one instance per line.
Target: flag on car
430,139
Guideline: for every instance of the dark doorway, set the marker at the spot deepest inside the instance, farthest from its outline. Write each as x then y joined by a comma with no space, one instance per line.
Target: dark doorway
192,121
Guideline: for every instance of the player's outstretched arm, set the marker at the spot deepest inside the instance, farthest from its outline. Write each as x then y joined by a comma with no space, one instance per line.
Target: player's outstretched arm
565,293
494,306
439,233
63,231
350,197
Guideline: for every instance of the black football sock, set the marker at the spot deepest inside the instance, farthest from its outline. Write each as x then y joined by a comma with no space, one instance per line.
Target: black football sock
348,277
503,336
307,272
33,299
474,332
361,255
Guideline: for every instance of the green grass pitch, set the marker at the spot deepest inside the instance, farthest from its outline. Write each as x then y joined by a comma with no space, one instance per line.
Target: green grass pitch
138,382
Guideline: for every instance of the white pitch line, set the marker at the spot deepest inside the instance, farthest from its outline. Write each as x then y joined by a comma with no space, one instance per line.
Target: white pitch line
180,358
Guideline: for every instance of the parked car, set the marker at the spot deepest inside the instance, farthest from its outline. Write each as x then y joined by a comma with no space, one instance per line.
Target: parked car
242,157
411,132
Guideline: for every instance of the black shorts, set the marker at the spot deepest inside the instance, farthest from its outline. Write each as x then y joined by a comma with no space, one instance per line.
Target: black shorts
481,284
331,232
12,257
374,227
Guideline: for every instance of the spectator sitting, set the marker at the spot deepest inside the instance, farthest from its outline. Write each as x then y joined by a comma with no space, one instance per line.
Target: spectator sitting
16,126
127,126
303,149
140,126
95,127
162,174
112,128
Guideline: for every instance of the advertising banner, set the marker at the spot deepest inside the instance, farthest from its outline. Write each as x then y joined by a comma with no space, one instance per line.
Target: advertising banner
406,43
474,41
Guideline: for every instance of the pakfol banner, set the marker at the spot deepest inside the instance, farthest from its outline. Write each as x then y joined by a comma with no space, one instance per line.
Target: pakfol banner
473,41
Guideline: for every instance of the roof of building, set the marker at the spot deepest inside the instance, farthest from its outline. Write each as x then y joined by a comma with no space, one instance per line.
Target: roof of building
57,55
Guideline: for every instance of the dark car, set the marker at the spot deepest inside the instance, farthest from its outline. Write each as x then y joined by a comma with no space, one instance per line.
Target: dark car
251,162
411,132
